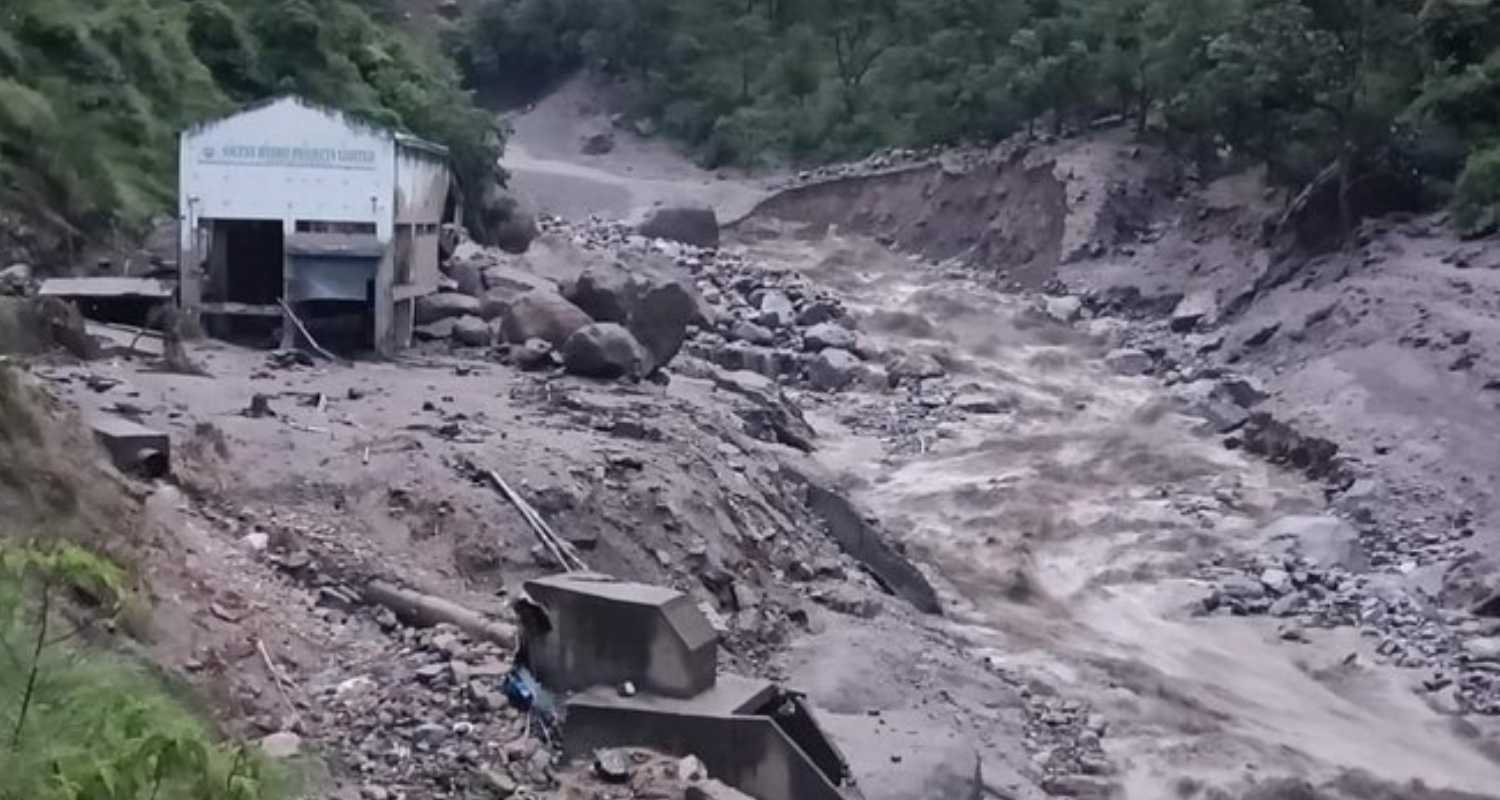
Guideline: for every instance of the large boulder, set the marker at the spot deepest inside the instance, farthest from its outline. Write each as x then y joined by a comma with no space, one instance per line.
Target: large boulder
500,220
661,319
607,293
468,275
604,350
444,305
828,334
833,369
697,226
439,331
503,284
904,367
541,314
472,332
746,331
647,299
1201,306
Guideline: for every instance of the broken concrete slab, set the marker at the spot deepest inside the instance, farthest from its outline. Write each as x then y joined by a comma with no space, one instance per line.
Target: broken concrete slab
585,630
107,287
861,539
133,448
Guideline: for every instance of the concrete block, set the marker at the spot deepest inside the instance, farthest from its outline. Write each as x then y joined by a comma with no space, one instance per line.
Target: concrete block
750,753
134,449
598,631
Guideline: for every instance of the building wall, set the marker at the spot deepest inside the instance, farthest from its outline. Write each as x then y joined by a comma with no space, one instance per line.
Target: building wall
289,161
422,179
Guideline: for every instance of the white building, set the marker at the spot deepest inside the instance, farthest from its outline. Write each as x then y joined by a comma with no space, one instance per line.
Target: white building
289,201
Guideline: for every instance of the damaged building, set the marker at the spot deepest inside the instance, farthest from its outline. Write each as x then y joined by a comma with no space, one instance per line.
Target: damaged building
289,209
638,665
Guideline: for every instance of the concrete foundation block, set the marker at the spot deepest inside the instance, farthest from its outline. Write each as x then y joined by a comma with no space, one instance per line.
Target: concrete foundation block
134,449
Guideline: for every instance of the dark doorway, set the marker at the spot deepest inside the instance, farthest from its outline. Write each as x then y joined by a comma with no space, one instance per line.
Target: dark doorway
253,259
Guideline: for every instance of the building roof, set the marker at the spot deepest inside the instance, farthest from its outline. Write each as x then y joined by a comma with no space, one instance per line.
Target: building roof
353,120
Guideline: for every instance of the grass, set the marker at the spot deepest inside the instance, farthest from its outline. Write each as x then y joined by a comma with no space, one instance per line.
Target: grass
78,721
98,727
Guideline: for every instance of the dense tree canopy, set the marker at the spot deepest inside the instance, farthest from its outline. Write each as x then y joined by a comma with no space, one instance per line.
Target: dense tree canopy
1300,85
92,92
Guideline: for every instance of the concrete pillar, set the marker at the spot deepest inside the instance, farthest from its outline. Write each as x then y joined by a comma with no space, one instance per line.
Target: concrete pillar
385,306
288,328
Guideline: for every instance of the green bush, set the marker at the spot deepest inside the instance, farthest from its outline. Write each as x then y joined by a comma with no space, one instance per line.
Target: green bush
76,725
1476,203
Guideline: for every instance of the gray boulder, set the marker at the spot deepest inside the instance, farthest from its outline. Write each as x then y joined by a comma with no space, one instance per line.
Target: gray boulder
501,220
541,314
821,311
1201,306
776,310
1129,361
914,367
444,305
604,350
661,319
606,293
442,330
1324,540
513,279
697,226
746,331
832,369
472,331
503,284
827,334
534,354
469,277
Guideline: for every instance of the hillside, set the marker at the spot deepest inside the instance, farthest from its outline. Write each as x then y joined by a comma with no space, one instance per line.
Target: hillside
93,92
1377,97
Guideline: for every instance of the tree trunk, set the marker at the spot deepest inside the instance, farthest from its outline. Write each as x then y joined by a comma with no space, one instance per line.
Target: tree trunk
1346,210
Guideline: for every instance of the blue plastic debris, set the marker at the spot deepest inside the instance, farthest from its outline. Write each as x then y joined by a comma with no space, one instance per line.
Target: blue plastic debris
527,695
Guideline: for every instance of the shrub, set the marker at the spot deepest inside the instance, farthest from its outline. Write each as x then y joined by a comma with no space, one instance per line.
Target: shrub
76,725
1476,202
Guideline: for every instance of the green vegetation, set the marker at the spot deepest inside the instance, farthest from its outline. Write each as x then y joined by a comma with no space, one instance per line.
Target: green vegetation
1398,86
78,723
79,726
92,92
